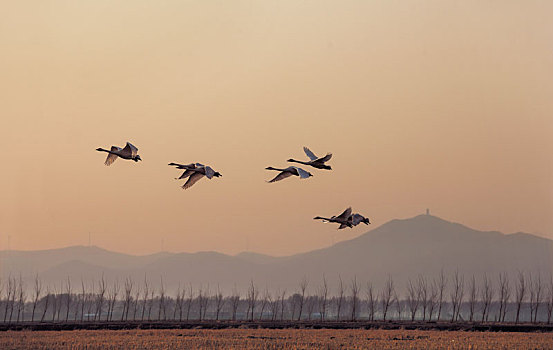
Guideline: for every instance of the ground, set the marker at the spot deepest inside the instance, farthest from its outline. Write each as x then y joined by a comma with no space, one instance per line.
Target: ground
272,339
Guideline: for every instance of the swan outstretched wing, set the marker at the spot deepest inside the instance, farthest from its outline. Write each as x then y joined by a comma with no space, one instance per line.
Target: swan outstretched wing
302,173
112,157
346,214
356,219
325,158
281,176
192,180
209,172
186,174
309,153
129,151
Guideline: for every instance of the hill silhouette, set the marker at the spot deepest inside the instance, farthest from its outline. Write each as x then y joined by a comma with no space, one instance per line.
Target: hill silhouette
402,249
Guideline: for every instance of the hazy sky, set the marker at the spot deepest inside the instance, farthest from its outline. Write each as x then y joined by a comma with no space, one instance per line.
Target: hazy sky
439,104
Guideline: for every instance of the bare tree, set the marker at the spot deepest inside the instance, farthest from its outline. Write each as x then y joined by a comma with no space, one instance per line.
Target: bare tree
145,298
46,303
84,299
273,304
55,303
161,305
303,287
189,300
432,299
219,303
399,306
68,297
413,297
127,298
487,297
178,304
100,298
323,298
150,300
135,301
473,294
22,297
504,296
442,282
36,295
457,295
252,298
549,300
386,297
112,297
423,295
282,304
264,302
234,302
91,304
536,296
371,301
9,294
203,300
520,294
340,298
354,287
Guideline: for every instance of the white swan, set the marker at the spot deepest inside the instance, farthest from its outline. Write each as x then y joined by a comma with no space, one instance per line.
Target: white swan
195,172
315,161
342,219
291,170
129,152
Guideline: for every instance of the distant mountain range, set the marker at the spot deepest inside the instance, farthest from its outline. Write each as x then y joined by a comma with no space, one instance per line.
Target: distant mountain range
401,249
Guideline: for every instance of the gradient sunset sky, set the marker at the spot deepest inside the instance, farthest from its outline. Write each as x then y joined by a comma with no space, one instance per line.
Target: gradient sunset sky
446,105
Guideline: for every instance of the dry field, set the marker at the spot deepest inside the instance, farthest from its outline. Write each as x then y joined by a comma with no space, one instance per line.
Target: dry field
272,339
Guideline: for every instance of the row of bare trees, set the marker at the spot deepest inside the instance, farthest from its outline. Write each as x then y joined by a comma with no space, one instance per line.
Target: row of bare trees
528,298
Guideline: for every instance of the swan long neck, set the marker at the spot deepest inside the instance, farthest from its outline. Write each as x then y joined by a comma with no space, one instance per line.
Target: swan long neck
297,161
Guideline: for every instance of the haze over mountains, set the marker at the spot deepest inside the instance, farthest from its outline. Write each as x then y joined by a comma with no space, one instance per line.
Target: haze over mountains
424,244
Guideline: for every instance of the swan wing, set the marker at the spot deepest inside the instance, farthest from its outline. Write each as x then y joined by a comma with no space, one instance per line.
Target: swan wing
346,214
281,176
129,151
342,226
186,174
112,157
192,180
302,173
209,172
325,158
309,153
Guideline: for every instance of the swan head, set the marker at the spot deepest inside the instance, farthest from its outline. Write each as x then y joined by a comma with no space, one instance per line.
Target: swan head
137,158
327,167
217,174
291,160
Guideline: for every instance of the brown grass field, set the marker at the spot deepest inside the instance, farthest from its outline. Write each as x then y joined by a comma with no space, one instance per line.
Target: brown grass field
272,339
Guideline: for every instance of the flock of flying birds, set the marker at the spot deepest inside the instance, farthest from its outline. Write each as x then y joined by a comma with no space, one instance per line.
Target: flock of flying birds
193,172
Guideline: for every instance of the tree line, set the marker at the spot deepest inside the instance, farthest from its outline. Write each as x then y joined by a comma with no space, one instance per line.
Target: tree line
452,298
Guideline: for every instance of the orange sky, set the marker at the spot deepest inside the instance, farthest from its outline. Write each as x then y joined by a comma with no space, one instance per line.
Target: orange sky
439,104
